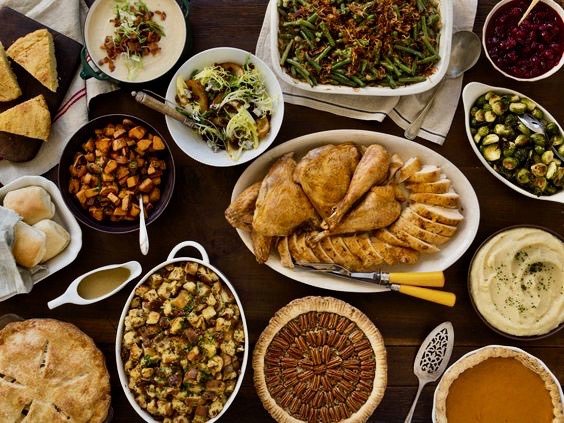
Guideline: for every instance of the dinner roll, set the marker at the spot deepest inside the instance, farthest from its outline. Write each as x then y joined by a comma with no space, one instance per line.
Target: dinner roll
32,203
57,237
30,245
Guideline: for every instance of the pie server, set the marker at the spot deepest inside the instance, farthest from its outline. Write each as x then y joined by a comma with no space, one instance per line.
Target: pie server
408,283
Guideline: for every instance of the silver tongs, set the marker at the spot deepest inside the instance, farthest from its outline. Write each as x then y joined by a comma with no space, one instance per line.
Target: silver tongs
409,283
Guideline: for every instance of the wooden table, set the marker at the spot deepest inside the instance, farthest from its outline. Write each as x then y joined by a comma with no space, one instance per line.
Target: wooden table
196,213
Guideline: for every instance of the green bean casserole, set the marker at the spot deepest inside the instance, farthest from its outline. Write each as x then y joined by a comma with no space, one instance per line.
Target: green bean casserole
183,343
359,43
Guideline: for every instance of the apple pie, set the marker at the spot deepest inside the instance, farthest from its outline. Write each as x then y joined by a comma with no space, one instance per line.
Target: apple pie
50,371
320,360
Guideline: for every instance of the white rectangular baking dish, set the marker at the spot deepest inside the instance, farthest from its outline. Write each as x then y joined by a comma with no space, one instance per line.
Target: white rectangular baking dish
445,41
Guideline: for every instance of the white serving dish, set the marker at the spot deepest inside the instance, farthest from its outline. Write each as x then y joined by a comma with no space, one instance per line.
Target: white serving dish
98,25
502,3
451,252
470,94
63,216
445,41
532,357
205,261
190,142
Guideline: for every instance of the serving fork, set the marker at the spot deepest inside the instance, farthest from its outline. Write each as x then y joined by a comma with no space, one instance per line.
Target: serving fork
408,283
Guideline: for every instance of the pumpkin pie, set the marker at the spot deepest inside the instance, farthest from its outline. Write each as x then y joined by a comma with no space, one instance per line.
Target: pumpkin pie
320,360
498,384
50,371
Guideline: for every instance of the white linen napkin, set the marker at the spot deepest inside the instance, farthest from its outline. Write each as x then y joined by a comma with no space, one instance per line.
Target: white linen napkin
12,280
66,17
402,110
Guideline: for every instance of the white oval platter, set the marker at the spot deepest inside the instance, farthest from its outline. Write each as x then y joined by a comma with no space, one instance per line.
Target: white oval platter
451,251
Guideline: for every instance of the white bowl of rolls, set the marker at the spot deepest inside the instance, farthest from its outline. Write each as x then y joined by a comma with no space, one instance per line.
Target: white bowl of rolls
47,234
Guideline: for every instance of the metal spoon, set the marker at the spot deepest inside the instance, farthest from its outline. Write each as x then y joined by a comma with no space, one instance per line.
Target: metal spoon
143,235
537,126
432,359
465,51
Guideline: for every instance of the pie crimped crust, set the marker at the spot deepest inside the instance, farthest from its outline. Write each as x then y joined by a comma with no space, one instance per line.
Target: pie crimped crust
320,360
498,352
52,372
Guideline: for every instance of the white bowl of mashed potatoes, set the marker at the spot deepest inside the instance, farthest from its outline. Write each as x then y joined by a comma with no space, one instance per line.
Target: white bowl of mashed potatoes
516,280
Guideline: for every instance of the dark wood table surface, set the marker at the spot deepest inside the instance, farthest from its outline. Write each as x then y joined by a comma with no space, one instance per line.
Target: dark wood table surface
196,213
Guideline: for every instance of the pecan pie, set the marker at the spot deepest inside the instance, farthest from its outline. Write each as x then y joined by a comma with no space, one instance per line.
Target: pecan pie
498,384
50,371
320,360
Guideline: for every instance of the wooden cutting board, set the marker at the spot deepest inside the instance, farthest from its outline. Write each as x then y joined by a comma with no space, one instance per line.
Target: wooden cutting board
14,25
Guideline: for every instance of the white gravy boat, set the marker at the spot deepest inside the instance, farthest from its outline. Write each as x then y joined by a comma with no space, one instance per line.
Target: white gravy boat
98,284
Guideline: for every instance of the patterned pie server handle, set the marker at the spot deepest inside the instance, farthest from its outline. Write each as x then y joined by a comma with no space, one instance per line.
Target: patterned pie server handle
432,359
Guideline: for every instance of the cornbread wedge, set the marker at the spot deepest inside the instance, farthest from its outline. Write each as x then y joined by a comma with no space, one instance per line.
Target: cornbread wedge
29,119
9,88
35,52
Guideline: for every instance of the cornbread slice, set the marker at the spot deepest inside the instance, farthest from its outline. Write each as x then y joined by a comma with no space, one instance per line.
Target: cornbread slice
35,52
9,88
29,119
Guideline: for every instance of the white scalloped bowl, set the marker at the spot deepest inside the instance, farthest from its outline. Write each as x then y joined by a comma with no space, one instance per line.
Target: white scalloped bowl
470,94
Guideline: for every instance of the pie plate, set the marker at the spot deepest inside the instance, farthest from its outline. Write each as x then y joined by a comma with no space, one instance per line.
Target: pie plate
491,347
451,252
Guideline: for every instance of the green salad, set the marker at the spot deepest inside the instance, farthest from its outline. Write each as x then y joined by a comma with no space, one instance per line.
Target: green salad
229,105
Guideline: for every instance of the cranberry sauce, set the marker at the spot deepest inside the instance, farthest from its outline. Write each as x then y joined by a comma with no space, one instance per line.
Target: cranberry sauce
528,50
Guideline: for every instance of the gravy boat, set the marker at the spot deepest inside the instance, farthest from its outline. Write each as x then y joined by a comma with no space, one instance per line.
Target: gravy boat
98,284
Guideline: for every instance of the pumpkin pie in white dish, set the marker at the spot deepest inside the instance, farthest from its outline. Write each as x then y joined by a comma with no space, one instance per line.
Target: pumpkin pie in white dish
498,384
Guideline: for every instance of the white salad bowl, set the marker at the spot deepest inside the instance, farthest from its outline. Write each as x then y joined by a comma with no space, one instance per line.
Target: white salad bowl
192,143
472,91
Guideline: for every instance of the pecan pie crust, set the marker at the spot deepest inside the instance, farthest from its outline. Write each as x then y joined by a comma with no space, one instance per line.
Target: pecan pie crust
320,360
443,388
50,371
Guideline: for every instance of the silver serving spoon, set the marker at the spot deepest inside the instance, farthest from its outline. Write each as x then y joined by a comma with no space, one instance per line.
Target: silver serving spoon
465,51
537,126
143,235
432,359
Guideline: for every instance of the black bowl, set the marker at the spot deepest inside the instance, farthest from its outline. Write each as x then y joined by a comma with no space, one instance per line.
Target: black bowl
75,144
475,306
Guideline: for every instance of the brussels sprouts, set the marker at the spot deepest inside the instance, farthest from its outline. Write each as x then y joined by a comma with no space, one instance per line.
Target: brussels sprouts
509,163
514,151
537,113
521,140
492,152
490,139
539,169
518,108
523,176
538,139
